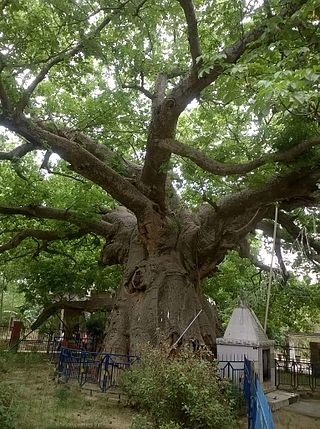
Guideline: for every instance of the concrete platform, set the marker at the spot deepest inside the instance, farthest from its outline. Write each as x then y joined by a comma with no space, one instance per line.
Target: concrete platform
309,408
279,399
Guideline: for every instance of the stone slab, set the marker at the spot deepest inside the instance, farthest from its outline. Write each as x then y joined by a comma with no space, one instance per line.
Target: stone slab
279,399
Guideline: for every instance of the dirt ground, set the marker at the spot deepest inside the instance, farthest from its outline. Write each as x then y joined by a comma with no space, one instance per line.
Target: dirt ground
38,402
304,414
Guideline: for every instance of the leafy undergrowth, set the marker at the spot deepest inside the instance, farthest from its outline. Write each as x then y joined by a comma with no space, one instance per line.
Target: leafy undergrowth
180,392
31,399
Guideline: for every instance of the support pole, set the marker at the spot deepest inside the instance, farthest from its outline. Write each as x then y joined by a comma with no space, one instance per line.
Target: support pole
187,328
271,266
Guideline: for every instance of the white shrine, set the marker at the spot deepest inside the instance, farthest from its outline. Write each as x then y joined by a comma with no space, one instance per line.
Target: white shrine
245,337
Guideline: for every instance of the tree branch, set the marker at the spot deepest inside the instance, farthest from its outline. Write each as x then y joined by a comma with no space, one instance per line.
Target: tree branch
99,227
245,253
191,87
307,244
284,188
267,228
61,56
103,153
45,165
295,232
17,152
5,103
84,163
44,235
193,36
139,88
221,169
223,226
167,108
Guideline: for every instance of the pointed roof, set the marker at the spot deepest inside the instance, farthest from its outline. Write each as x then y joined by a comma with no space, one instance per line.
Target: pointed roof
244,328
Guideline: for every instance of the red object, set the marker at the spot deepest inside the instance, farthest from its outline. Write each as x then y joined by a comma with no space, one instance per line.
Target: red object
15,333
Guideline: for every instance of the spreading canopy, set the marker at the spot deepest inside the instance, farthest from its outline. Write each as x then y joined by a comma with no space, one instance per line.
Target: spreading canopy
124,113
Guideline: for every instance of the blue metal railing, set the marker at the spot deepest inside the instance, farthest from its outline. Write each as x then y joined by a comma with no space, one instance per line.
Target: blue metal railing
258,409
101,369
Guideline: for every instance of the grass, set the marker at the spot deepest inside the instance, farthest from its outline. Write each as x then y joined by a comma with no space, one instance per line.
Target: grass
38,402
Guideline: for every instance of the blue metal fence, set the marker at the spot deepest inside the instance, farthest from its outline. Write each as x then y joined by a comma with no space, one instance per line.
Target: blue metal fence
259,412
101,369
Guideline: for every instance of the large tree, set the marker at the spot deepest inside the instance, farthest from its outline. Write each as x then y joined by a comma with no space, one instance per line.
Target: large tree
182,123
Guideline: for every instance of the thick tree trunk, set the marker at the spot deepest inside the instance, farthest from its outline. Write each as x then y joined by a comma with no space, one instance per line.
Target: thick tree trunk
155,305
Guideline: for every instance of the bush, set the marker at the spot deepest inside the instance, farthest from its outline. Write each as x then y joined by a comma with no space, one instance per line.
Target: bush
140,422
184,391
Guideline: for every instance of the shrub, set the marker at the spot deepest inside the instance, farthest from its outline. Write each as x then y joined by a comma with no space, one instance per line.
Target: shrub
185,390
141,422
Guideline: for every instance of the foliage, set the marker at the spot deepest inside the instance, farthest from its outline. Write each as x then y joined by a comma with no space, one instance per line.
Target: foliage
264,101
12,301
95,325
140,422
182,390
294,304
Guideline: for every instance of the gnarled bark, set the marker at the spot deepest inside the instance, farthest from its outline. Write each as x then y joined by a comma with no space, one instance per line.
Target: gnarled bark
156,304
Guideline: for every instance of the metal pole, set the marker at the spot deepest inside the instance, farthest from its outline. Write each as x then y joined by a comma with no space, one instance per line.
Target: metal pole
271,266
190,324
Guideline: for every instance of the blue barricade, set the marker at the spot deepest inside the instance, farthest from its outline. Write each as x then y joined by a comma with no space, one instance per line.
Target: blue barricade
258,410
102,369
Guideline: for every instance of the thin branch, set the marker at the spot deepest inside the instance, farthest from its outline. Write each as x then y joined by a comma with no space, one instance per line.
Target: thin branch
44,235
295,232
245,253
45,248
219,168
45,165
193,35
278,253
61,56
13,258
268,230
308,245
139,7
139,88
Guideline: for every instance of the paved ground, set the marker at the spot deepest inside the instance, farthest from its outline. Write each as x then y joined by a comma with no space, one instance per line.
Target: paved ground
304,414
